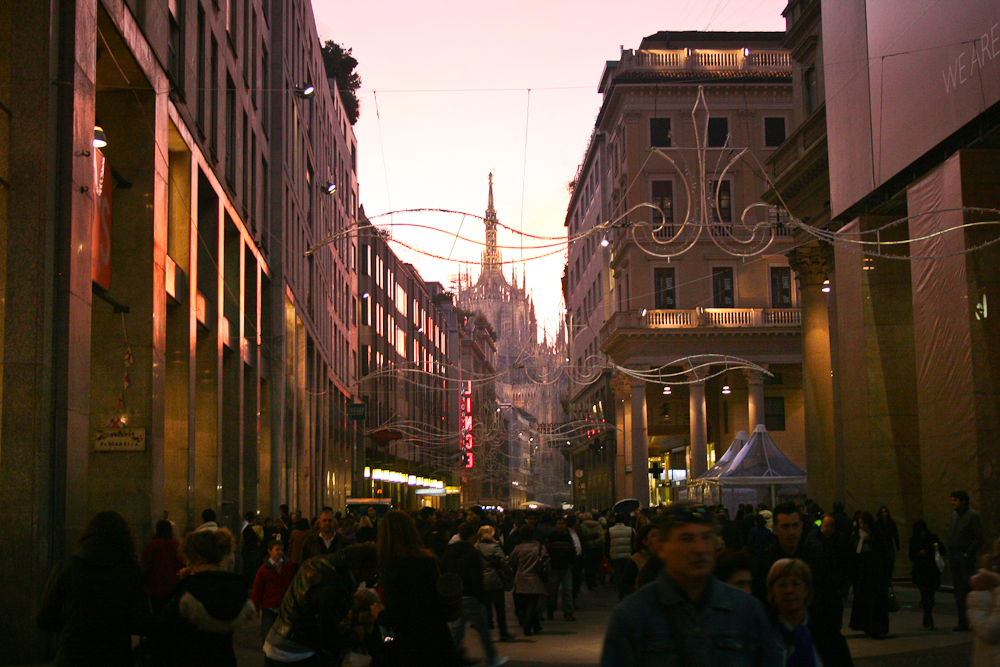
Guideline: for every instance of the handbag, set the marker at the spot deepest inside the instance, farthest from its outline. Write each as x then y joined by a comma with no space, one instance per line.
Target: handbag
893,602
938,560
507,575
542,570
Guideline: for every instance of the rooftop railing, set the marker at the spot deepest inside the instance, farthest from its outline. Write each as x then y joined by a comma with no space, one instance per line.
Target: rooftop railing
743,60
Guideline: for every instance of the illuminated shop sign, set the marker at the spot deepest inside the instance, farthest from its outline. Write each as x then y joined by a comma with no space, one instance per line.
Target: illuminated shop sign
465,417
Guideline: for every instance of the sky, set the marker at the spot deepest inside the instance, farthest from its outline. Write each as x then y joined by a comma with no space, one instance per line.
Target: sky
452,91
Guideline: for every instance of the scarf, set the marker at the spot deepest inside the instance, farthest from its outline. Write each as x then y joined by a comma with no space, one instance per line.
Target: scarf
804,655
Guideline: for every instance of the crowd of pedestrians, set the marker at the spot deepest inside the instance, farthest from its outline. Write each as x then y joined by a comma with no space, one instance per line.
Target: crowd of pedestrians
401,589
801,564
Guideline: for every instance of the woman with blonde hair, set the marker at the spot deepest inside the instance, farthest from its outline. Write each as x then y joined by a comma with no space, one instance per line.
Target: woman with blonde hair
208,605
789,592
495,570
413,611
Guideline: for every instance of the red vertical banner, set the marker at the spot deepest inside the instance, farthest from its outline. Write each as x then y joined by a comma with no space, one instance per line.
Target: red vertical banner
100,265
466,421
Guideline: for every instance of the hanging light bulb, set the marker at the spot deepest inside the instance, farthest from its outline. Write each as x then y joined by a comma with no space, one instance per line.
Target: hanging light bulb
100,140
725,389
826,286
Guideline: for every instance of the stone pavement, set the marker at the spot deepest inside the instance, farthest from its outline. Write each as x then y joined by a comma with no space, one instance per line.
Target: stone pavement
579,642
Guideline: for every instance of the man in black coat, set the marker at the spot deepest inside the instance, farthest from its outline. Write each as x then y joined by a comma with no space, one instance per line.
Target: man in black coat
465,560
561,557
827,607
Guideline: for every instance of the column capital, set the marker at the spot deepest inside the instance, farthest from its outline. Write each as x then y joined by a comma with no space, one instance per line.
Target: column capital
754,376
812,264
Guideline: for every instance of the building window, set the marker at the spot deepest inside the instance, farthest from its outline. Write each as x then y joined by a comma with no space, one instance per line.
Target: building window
231,132
722,287
663,289
725,416
659,133
781,287
809,90
175,46
774,131
720,201
662,196
718,132
774,413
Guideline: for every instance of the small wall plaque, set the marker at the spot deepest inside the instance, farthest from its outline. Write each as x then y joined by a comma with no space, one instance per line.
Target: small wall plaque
120,440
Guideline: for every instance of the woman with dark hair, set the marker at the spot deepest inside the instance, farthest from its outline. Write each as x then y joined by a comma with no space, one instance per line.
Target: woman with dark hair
208,605
96,598
160,563
413,611
529,560
869,549
926,575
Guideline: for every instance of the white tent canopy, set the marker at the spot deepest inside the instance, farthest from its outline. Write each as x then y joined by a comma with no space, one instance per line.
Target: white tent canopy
723,463
755,472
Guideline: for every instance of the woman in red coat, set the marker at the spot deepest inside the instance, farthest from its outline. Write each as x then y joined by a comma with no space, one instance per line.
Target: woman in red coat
160,563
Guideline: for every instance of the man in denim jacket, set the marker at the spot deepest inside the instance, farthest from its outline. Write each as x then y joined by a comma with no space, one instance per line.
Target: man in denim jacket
687,616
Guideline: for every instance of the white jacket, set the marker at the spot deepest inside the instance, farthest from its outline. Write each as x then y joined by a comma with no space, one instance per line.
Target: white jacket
983,608
621,541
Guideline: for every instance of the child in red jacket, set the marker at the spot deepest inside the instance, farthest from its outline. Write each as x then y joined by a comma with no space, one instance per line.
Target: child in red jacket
269,586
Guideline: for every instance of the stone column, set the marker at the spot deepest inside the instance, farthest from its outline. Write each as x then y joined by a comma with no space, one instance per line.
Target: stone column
755,399
699,433
813,265
639,482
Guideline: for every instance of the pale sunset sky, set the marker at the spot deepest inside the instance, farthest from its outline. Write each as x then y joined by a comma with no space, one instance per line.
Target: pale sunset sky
451,81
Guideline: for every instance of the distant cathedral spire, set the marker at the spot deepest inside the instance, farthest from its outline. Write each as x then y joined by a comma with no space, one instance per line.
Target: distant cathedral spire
491,254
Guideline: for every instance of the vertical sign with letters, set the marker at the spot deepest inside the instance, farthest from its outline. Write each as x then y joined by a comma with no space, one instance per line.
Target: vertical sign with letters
465,410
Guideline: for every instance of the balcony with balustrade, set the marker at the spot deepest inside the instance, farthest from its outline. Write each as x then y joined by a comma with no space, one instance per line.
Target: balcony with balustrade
681,63
650,332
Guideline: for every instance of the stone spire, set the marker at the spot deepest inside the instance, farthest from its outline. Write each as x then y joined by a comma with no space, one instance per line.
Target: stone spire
491,254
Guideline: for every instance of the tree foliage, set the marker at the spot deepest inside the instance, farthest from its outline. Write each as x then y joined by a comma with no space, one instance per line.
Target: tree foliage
340,64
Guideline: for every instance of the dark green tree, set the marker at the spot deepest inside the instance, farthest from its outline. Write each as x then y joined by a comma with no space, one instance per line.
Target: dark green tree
340,64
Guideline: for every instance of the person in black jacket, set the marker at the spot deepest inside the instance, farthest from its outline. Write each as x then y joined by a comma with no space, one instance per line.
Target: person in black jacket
465,560
413,611
208,605
926,575
870,551
887,526
826,605
96,598
309,631
789,590
561,556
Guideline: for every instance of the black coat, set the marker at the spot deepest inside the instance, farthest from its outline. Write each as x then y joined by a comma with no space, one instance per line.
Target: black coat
925,571
465,560
196,627
96,600
415,614
870,611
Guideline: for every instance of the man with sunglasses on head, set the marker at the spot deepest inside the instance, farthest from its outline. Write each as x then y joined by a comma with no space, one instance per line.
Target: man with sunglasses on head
687,616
